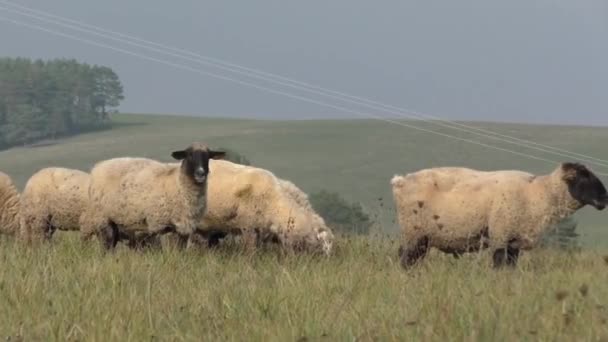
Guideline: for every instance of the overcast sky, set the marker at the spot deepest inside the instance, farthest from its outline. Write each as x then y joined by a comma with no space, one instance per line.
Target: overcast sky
519,60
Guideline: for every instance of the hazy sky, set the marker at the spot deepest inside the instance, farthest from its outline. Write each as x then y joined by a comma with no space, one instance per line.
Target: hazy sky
518,60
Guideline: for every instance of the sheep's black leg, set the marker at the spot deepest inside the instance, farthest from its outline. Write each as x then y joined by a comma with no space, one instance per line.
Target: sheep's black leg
214,238
49,228
512,256
410,255
499,257
213,241
108,236
141,241
505,257
209,238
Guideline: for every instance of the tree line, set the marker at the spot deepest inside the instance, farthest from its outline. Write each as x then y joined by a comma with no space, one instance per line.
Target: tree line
49,99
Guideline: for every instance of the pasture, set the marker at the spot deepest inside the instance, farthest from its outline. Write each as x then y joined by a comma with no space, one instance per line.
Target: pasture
71,292
68,290
356,158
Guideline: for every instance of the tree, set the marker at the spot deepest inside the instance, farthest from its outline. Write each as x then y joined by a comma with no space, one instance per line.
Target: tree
49,99
107,90
563,236
26,124
339,214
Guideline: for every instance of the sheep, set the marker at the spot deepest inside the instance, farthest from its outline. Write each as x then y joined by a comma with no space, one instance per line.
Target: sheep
301,198
9,206
254,203
53,198
129,196
459,210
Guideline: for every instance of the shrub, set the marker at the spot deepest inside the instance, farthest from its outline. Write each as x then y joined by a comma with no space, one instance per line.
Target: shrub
234,156
563,236
339,214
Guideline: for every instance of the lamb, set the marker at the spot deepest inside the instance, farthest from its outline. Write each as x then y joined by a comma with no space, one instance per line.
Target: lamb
53,198
9,206
459,210
130,196
260,206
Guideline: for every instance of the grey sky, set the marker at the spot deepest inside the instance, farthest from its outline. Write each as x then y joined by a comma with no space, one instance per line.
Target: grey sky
520,60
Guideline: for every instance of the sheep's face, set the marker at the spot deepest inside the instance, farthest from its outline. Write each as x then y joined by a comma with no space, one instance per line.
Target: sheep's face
584,186
313,242
308,233
195,161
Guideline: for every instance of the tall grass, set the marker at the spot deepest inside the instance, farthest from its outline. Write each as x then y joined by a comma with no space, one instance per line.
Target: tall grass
71,291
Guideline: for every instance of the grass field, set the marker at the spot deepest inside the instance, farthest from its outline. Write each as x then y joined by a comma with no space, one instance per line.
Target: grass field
71,292
357,158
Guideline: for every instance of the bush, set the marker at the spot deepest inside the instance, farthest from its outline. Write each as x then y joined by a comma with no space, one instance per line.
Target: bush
339,214
234,156
563,236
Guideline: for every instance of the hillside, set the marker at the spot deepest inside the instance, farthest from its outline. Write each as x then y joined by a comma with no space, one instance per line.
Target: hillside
356,157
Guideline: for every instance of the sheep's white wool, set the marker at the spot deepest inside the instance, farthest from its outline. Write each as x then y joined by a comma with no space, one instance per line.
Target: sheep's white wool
9,206
254,201
53,198
460,210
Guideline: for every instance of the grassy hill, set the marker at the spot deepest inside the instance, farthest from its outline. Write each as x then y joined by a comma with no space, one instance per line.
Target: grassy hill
354,157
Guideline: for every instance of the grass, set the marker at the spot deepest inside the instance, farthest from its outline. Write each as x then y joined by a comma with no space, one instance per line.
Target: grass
70,291
356,158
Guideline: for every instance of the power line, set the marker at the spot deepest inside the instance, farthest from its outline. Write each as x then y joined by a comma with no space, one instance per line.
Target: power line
301,85
270,90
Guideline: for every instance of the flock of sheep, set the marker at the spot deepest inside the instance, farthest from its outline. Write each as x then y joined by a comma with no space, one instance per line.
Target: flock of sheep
201,199
139,200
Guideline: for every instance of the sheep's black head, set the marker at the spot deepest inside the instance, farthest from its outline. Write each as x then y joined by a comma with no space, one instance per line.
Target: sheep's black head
584,186
195,161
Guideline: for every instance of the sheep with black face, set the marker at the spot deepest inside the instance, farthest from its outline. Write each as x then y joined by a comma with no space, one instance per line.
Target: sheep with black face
261,207
128,196
459,210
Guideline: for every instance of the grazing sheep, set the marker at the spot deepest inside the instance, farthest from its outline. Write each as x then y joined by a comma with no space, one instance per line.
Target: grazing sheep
129,196
53,198
458,210
9,206
255,203
301,198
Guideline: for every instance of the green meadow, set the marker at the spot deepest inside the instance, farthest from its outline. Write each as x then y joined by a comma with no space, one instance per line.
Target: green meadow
356,158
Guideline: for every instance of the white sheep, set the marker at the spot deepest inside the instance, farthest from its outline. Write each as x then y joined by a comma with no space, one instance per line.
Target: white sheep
128,196
255,203
325,234
53,198
458,210
9,206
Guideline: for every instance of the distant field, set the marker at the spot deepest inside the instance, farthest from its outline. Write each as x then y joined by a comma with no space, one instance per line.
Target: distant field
70,293
354,157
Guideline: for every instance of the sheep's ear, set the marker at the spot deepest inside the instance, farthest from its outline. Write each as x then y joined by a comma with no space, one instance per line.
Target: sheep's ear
179,155
574,170
216,154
